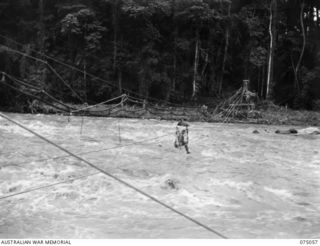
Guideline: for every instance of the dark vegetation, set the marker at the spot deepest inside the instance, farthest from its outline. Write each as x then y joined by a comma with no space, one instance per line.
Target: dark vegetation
188,52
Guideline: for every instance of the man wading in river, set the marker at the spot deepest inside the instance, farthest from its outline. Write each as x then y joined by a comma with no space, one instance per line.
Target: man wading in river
182,138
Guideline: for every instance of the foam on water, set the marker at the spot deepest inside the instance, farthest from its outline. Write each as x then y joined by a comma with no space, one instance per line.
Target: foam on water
15,130
282,193
246,185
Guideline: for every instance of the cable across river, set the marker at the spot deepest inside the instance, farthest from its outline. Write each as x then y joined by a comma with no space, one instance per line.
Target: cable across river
115,178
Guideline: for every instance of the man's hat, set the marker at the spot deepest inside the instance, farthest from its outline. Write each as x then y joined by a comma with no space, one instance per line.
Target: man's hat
182,123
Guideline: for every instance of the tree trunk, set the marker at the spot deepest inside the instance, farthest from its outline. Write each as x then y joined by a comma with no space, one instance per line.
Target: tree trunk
41,27
172,86
195,67
115,34
262,82
204,67
41,66
175,34
120,81
143,80
297,68
215,73
85,78
259,80
272,26
120,69
174,63
225,54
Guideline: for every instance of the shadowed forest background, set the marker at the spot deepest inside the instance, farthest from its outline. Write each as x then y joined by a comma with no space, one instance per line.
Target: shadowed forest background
179,51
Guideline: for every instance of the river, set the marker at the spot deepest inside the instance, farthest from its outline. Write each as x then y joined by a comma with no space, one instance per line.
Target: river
240,184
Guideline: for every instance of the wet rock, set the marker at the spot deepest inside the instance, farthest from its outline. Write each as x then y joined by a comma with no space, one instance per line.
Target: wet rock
290,131
305,131
255,132
12,189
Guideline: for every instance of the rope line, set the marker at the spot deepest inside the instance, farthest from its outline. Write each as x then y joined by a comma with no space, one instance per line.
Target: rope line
64,82
47,186
30,95
98,104
35,87
94,77
49,66
52,185
115,178
56,100
94,151
76,94
123,97
38,89
79,70
71,67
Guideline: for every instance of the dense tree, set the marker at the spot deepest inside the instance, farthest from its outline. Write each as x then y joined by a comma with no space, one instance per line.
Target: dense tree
167,49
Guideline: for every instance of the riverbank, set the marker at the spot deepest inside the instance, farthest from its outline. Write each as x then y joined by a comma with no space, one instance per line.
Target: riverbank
281,116
265,113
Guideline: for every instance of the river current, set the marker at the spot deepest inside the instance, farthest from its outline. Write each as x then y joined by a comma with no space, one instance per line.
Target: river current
241,184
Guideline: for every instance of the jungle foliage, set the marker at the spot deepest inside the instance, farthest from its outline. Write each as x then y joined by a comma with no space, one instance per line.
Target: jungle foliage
182,51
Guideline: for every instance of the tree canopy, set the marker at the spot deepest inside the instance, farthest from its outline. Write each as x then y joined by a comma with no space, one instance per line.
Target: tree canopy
181,51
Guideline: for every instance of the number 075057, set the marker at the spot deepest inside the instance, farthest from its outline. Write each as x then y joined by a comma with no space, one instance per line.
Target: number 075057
309,242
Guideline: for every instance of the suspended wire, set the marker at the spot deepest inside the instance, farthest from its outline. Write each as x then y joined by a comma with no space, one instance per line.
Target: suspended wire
49,66
70,180
65,82
65,64
47,186
71,110
115,178
56,100
124,99
38,89
94,151
79,70
34,87
28,84
98,104
58,75
30,95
